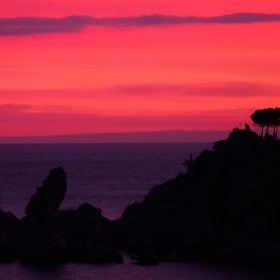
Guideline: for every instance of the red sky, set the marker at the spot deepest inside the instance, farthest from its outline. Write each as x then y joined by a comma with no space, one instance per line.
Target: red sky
117,71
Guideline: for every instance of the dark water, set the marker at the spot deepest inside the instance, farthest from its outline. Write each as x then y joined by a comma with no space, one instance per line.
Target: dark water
128,271
108,176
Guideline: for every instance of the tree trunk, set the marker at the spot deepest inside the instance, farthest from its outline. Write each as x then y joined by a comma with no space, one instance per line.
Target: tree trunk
267,130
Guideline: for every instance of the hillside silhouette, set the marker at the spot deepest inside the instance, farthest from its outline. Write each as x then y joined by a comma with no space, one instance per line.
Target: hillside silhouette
226,207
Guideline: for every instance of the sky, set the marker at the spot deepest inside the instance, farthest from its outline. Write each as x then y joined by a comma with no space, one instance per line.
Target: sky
74,66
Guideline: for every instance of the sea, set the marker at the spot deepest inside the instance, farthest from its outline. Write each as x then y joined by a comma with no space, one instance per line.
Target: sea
108,176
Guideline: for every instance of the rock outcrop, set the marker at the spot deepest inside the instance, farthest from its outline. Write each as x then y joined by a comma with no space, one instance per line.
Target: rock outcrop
9,234
50,235
40,238
87,235
226,207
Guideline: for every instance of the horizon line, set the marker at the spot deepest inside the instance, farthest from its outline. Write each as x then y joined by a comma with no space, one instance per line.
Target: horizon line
163,136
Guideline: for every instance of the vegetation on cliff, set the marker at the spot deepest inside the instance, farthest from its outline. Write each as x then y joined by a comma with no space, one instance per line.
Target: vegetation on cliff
268,117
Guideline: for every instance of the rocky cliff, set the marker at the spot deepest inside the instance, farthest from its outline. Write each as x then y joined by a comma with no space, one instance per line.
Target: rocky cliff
226,207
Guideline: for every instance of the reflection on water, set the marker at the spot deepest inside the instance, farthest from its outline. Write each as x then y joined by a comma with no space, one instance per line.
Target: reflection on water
128,271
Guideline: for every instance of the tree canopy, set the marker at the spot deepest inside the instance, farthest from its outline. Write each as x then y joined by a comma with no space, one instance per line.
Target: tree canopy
267,118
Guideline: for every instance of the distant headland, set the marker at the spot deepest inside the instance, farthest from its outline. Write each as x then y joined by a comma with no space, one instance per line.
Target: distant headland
170,136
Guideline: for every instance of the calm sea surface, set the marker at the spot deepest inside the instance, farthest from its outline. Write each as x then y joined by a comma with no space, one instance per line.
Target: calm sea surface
108,176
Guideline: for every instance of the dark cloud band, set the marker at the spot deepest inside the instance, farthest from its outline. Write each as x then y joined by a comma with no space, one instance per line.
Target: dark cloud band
75,23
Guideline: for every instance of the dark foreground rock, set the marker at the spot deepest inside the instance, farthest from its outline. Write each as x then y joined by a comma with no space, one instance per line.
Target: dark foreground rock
87,235
9,234
226,207
40,238
50,235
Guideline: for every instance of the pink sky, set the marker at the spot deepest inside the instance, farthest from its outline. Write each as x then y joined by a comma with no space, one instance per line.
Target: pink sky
117,71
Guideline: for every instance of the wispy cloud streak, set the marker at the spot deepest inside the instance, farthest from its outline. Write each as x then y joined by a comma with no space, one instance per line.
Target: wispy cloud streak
218,90
239,90
76,23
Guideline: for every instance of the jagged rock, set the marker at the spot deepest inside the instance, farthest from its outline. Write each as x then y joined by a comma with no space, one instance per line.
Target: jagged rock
49,235
40,238
9,231
227,206
87,236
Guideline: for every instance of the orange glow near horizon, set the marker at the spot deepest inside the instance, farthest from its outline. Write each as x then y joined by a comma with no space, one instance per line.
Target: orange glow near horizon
147,78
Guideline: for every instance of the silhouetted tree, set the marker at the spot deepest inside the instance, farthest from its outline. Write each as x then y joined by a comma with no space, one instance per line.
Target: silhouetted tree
276,121
257,118
267,118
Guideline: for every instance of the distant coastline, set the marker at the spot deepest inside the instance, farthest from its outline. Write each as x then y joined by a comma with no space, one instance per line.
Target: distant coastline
170,136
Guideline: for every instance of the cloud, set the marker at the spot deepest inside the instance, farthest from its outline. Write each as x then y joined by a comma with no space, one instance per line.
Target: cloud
12,108
238,90
228,90
38,25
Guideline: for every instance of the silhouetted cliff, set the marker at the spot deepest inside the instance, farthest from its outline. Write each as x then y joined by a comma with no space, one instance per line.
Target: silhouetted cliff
226,207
